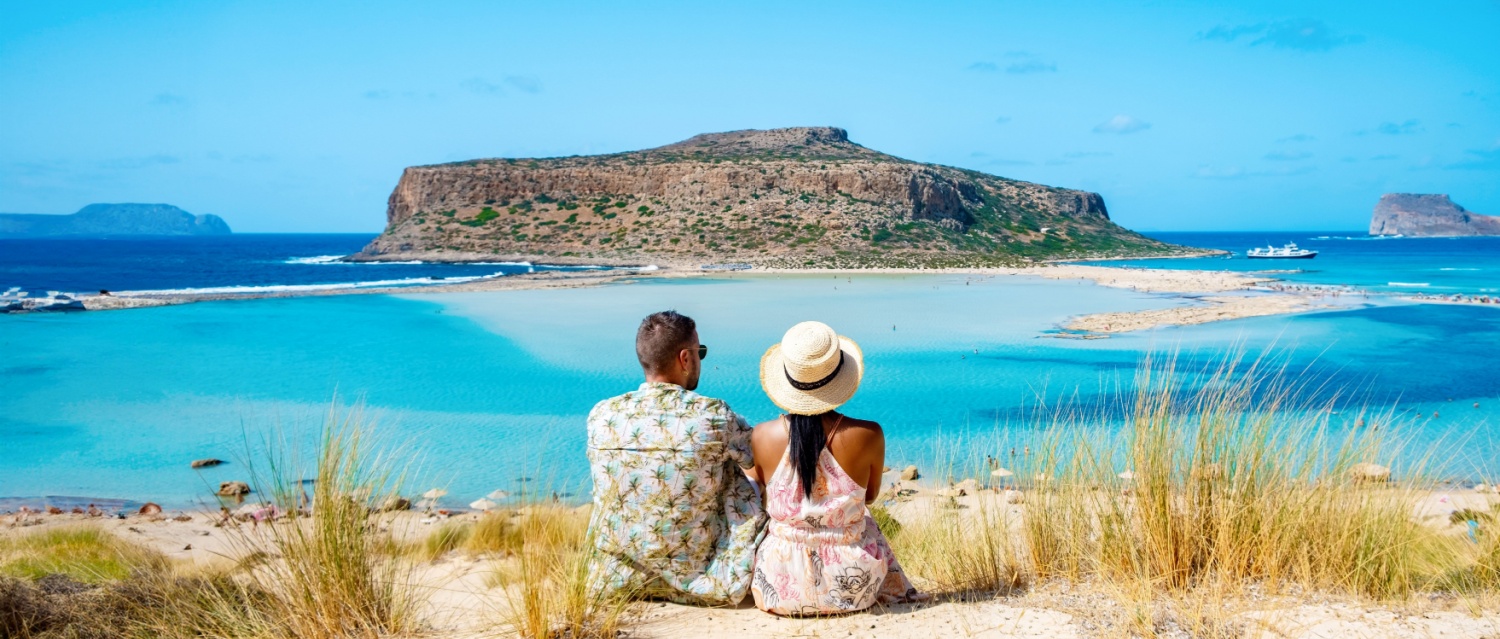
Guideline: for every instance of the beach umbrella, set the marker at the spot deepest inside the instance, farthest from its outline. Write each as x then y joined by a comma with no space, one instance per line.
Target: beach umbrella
498,495
483,504
1000,472
1127,475
434,494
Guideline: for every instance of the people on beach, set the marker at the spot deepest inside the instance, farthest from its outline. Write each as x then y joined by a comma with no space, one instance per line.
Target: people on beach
822,552
675,515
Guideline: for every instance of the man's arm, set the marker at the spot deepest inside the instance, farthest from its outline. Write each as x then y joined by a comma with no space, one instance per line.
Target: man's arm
737,441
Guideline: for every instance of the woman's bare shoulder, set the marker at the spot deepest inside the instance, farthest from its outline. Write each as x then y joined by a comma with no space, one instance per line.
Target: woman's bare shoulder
769,432
862,428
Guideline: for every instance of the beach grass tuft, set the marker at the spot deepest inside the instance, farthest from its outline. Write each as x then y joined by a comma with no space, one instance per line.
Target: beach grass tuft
1233,481
950,552
548,588
86,554
498,534
327,570
333,578
446,538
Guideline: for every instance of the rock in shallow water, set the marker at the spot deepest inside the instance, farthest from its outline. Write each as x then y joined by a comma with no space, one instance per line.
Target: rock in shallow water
234,489
1367,472
206,463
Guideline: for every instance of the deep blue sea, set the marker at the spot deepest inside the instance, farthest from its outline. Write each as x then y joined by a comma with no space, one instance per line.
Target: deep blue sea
240,262
484,389
1436,266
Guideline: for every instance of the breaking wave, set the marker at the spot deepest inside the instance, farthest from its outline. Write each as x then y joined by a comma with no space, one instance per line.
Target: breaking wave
292,288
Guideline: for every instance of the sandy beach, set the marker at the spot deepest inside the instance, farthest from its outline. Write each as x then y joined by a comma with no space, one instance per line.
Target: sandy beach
458,599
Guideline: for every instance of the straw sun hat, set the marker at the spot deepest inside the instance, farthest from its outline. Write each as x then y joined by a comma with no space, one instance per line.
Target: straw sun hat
813,370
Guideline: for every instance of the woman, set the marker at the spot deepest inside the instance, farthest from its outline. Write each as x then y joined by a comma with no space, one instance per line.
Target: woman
822,553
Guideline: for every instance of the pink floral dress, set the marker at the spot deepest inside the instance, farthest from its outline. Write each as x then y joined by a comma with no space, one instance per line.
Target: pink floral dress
824,554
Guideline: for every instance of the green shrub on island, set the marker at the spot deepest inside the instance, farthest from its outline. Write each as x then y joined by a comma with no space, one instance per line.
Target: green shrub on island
484,216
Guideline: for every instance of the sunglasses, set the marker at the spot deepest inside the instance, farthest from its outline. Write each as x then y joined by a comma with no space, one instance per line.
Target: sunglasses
702,352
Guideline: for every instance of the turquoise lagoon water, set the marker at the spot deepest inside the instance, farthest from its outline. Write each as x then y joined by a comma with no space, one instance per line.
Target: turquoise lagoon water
489,388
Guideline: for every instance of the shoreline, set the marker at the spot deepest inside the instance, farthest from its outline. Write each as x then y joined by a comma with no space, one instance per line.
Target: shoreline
1212,295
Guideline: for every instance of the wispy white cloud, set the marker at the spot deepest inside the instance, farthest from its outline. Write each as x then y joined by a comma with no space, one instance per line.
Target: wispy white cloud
1122,124
524,83
1240,173
1300,35
990,160
1031,66
481,86
1479,159
385,94
1023,63
1408,127
168,100
138,162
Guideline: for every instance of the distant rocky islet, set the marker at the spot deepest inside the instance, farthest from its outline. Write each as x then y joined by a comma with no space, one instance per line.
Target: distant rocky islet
1428,215
113,220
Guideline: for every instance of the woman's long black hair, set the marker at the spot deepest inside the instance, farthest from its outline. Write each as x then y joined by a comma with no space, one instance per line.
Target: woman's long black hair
806,440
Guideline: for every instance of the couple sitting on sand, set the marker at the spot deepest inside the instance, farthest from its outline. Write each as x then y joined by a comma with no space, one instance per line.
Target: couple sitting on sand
677,511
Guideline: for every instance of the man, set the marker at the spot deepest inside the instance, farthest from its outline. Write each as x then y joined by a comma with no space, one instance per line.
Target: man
675,515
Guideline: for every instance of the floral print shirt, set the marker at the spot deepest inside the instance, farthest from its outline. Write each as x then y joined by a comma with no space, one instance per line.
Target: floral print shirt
674,514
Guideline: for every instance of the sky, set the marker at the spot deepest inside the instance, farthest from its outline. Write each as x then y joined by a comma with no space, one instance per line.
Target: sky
299,117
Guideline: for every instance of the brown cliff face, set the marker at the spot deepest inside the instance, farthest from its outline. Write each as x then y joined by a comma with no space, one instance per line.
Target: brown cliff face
1421,215
788,197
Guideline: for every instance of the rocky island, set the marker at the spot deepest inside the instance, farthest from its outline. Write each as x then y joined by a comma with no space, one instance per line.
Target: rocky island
1423,215
113,219
792,198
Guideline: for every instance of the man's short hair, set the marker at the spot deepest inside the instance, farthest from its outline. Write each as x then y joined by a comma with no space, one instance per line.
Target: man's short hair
661,337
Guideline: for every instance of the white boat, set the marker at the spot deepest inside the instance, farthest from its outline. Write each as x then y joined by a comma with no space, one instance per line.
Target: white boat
1288,252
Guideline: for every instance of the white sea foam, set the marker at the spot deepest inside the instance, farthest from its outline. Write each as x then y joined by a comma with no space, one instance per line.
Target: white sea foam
1409,284
316,259
339,259
1453,268
1361,238
293,288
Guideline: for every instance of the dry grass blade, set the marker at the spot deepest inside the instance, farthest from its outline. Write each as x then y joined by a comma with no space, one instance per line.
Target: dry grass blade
327,572
1233,480
548,585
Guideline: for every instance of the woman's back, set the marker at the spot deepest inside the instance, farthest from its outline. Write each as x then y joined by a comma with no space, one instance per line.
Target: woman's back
822,552
857,445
